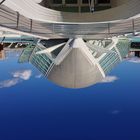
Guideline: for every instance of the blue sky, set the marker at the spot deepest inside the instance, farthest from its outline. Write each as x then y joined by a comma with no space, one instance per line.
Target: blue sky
33,108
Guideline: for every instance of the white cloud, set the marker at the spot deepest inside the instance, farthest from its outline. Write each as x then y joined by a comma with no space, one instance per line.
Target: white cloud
134,60
109,79
24,74
38,76
9,83
115,112
18,76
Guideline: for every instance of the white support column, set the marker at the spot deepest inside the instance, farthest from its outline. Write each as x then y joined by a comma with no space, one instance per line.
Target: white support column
92,6
118,52
79,5
63,2
16,45
10,45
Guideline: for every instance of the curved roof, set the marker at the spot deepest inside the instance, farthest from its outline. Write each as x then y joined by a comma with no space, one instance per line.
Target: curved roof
32,10
78,69
36,20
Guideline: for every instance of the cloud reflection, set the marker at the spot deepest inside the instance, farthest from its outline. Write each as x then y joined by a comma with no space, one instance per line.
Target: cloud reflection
17,77
134,60
109,79
38,76
24,74
115,112
9,83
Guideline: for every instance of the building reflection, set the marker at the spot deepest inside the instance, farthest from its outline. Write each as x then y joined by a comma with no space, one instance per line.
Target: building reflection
71,63
135,49
11,45
76,63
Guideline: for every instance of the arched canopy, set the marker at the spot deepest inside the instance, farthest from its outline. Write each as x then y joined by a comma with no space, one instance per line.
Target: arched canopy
32,10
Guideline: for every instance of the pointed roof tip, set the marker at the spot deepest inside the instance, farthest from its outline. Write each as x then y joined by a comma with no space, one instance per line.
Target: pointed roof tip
76,71
77,43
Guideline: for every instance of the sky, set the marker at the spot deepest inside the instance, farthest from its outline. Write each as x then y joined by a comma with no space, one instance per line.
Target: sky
33,108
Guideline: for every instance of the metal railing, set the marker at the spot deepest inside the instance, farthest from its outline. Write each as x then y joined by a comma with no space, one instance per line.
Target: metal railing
13,20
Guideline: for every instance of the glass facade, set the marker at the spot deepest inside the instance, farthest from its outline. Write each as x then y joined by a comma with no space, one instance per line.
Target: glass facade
57,1
41,61
71,1
26,53
109,61
106,57
78,5
104,1
123,47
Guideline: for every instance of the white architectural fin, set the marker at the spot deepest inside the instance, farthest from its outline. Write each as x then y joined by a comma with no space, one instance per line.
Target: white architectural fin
49,50
64,52
99,49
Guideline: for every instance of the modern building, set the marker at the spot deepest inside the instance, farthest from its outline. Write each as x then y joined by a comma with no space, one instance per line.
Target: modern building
11,44
76,63
78,41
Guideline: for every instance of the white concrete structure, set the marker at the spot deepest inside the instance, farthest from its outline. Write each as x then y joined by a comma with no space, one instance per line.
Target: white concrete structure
28,17
29,8
84,57
77,65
